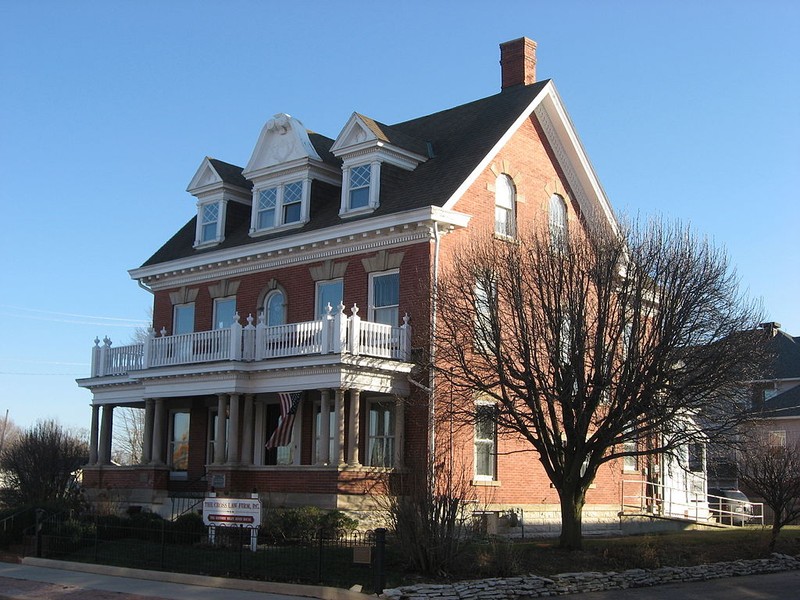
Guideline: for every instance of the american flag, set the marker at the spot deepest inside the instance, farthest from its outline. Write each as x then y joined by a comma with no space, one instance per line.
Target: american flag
283,433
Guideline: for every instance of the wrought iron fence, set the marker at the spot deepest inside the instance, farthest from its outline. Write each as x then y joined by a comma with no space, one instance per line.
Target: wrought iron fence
184,547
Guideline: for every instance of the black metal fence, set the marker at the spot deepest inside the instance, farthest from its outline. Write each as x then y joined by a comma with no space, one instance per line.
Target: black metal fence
341,561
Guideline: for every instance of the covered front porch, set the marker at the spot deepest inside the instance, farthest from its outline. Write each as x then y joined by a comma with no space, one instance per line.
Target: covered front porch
210,423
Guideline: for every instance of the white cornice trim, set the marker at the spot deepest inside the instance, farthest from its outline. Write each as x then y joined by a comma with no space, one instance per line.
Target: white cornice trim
346,238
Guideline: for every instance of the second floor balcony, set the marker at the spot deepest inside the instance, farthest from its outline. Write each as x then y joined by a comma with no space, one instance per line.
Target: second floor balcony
334,333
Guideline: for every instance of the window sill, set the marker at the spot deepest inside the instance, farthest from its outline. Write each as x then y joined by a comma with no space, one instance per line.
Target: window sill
286,227
357,212
211,244
485,483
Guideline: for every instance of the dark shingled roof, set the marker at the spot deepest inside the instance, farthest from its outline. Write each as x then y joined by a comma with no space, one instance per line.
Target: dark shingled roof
786,362
786,404
460,138
230,173
397,138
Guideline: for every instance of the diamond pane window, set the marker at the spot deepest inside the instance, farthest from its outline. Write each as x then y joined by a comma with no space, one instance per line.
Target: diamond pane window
267,199
292,197
359,186
209,220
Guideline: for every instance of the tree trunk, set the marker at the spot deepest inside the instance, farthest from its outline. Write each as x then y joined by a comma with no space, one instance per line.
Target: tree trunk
776,530
572,502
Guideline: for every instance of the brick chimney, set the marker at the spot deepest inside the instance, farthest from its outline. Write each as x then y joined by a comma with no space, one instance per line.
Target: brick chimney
518,62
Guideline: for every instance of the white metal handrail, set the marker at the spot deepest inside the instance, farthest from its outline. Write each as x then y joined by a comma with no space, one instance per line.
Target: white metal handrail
644,497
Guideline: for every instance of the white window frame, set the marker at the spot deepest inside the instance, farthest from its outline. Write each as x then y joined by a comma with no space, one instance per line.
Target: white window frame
777,438
318,432
492,443
177,308
345,210
215,324
320,310
389,440
505,204
371,296
558,222
199,240
280,185
211,435
269,297
178,473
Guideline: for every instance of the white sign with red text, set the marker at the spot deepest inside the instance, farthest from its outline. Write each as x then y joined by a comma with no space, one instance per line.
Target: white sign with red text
231,512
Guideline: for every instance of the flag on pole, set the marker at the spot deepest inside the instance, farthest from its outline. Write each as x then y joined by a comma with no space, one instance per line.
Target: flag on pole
283,432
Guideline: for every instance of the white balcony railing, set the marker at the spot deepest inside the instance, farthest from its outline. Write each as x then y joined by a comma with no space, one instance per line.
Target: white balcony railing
334,333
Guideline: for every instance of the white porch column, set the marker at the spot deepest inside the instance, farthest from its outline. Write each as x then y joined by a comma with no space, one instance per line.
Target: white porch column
339,442
94,434
399,431
247,439
233,441
353,428
159,421
323,452
147,441
106,428
219,436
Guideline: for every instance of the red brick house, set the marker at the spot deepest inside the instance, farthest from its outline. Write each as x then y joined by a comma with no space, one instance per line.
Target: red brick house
310,270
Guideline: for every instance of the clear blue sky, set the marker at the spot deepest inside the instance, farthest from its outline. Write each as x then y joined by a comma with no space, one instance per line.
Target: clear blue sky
687,109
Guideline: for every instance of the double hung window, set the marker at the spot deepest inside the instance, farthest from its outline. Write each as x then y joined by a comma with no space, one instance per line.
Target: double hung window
485,442
505,197
558,222
183,319
359,187
179,442
275,309
384,299
381,435
209,222
224,311
329,292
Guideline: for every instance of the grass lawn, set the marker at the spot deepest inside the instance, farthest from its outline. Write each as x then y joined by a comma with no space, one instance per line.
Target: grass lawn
543,557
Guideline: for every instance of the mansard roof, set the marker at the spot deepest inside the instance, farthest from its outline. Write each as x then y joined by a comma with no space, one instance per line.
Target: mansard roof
457,140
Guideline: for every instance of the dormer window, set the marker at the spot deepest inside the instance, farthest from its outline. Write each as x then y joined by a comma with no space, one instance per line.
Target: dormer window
360,191
209,223
280,205
359,187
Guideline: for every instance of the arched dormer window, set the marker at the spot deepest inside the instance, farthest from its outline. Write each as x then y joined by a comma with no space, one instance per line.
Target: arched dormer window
505,222
558,222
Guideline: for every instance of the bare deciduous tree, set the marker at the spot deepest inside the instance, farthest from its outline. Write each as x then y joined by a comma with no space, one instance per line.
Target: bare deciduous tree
39,466
773,472
590,341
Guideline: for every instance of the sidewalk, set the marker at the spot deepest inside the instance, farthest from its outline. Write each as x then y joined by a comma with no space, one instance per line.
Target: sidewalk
94,582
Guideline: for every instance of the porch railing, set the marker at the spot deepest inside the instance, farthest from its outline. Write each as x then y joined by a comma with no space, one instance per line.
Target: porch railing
334,333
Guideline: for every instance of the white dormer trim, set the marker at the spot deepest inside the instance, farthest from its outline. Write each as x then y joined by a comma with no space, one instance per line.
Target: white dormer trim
283,140
359,147
210,190
357,139
284,155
